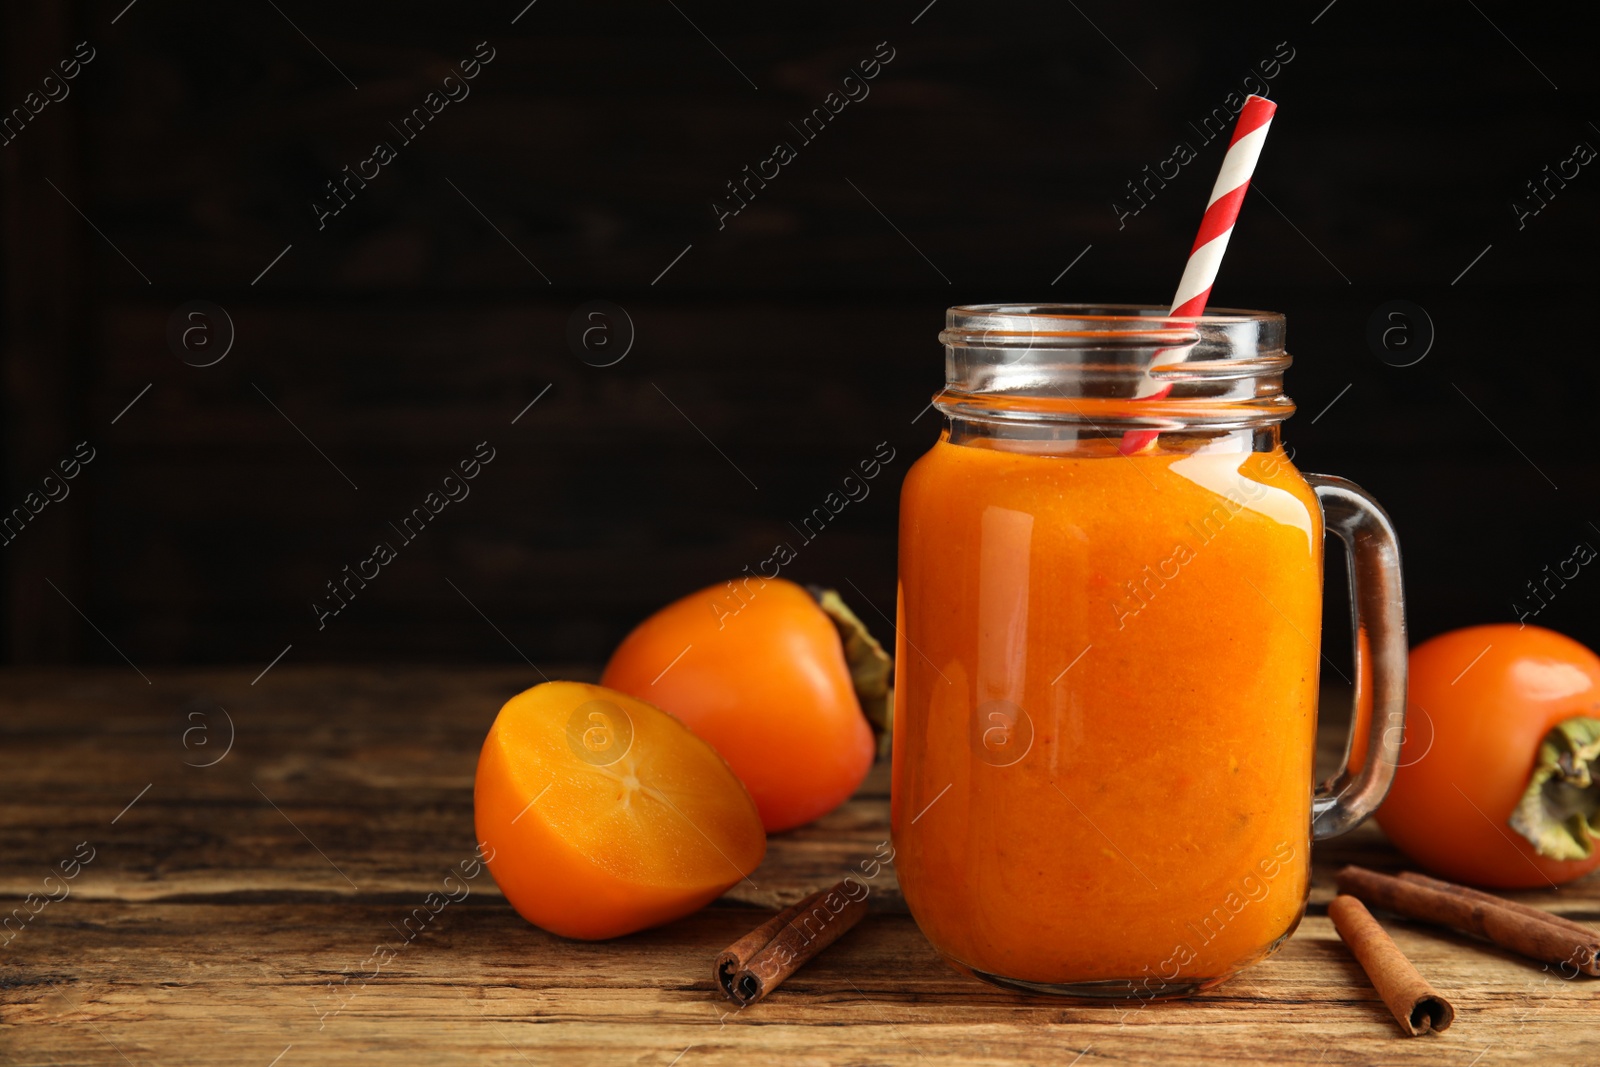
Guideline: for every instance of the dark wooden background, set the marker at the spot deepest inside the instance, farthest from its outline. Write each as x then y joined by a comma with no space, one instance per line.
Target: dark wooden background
592,146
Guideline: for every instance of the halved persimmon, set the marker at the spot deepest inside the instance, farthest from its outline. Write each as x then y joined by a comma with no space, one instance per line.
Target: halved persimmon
601,815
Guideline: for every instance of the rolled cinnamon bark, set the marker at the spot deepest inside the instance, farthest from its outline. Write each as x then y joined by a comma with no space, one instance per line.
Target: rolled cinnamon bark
1489,898
737,956
1415,1004
1523,930
763,959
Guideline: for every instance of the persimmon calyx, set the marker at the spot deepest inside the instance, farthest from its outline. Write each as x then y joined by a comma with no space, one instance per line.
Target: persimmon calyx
1560,811
871,668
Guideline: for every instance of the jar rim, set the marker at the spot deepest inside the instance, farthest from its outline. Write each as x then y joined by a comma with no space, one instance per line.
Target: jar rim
991,323
1114,365
1109,312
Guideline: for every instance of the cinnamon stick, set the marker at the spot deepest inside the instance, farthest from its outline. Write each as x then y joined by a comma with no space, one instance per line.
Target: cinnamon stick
1489,898
737,956
1415,1004
763,959
1523,930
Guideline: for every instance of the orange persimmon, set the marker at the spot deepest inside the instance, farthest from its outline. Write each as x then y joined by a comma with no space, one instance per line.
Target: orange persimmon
761,673
1497,783
601,815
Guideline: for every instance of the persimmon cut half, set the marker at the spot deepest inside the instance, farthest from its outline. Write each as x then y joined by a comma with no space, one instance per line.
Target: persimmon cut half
601,815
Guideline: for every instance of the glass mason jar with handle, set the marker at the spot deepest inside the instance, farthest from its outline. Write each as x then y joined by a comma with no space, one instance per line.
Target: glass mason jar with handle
1108,654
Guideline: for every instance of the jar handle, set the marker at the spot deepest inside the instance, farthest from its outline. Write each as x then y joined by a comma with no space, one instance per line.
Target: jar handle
1378,619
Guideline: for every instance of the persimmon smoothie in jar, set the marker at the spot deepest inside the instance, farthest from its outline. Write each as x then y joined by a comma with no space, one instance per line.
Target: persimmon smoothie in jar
1106,705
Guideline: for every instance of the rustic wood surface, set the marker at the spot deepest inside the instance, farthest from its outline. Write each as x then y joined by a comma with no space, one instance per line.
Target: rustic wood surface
230,915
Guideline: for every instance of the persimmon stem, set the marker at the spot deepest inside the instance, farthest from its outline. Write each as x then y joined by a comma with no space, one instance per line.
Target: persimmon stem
871,668
1559,813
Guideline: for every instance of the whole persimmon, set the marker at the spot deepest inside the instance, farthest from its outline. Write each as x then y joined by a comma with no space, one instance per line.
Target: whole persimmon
760,671
1499,779
601,815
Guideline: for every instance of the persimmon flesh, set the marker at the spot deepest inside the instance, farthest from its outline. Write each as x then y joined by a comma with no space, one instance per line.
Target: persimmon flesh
760,672
602,815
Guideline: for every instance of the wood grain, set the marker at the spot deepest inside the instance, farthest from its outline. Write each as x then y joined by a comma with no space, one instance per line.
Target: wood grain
212,927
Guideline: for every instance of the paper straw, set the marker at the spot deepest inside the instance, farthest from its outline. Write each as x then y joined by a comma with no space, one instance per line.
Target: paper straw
1216,226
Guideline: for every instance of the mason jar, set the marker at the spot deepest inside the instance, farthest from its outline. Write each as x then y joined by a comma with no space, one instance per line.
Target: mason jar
1108,658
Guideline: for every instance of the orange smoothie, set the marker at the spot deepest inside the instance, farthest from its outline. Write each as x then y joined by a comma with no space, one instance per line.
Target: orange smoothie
1106,710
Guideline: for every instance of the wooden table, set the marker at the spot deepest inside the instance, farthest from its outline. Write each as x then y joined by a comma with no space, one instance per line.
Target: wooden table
230,914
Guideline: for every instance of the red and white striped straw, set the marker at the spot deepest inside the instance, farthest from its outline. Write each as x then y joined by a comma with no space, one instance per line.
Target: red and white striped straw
1216,226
